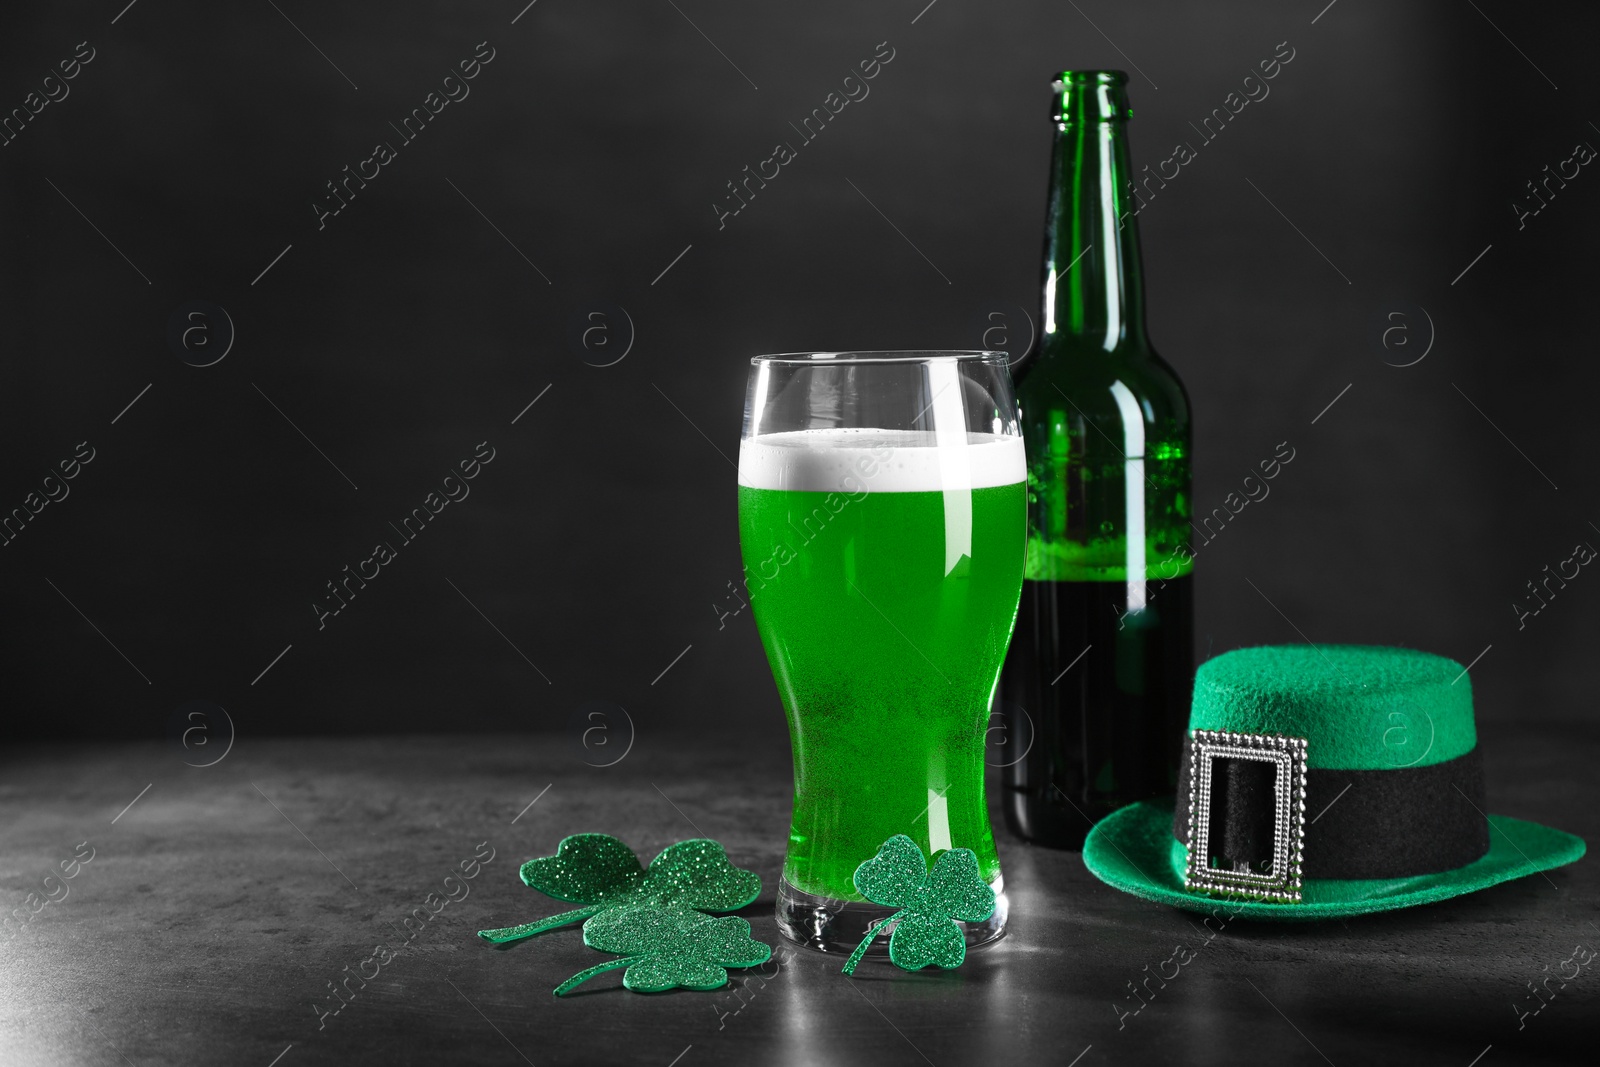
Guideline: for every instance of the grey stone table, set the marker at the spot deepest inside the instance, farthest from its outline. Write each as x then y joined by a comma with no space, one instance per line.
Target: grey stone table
210,910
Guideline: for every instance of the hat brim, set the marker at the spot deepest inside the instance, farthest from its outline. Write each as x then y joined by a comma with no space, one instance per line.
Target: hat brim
1133,850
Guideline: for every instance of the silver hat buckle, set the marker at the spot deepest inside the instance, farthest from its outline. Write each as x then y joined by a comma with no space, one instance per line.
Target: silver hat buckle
1280,883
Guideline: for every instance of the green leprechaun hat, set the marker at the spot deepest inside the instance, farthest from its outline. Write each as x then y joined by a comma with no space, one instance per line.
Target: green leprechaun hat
1319,783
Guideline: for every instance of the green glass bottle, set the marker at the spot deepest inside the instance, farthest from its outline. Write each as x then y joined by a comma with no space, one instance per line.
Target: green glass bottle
1101,661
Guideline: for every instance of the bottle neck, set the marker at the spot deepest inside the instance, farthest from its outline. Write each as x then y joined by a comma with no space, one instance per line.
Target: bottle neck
1093,285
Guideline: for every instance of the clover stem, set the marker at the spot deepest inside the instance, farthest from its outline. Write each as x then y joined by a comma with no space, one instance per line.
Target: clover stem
517,933
583,976
861,949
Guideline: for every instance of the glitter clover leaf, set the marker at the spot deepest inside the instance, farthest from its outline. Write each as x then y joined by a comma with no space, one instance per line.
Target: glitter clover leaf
928,902
601,873
668,947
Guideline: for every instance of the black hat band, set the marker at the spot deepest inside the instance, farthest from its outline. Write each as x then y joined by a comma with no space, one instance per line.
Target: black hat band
1392,823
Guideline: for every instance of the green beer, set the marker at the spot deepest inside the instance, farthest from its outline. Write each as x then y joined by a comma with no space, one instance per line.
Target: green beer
884,568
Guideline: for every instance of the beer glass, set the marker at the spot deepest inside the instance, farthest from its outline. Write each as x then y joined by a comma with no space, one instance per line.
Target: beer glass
882,520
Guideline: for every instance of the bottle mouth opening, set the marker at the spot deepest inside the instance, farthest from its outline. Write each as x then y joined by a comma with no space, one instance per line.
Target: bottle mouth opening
1090,77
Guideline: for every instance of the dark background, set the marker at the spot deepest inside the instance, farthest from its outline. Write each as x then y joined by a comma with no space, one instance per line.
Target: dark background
600,539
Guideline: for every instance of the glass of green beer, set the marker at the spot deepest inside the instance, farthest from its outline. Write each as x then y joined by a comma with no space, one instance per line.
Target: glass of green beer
882,520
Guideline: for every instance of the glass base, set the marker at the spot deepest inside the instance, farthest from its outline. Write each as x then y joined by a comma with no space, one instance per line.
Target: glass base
840,925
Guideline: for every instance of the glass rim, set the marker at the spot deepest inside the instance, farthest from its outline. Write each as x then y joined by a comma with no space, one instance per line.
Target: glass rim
869,356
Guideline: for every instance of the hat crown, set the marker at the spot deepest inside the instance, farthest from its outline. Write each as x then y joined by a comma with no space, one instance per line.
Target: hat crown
1359,707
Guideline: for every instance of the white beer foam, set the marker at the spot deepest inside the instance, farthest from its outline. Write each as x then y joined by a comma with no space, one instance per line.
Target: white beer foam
879,461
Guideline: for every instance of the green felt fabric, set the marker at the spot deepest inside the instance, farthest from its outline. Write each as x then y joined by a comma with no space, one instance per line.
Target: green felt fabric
1133,850
1360,707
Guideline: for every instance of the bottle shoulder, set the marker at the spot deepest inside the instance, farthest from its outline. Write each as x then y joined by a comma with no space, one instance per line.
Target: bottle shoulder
1099,385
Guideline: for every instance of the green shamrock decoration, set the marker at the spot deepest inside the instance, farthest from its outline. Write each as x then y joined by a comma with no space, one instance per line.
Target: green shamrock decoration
924,933
667,947
601,873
